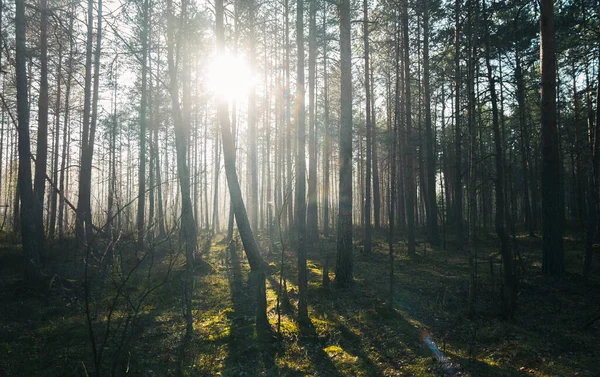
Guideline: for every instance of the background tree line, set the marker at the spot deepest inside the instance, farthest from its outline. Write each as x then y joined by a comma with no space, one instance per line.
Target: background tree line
454,118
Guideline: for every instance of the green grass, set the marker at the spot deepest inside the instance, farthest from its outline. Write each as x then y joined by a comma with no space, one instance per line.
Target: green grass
43,331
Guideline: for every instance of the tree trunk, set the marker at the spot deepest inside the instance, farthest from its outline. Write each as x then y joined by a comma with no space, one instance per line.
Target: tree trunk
344,276
188,237
41,158
458,195
376,185
553,254
300,206
432,214
524,132
326,138
141,210
409,152
257,264
32,231
215,219
66,132
594,189
509,291
252,147
312,231
54,193
83,228
241,217
369,131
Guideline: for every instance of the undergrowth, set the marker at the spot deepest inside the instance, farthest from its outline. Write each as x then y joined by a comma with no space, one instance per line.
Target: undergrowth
354,332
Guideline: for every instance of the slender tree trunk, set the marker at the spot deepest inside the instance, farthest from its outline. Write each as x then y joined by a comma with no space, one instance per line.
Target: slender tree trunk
376,185
594,189
215,219
553,254
159,188
41,158
524,142
458,195
409,153
326,138
66,132
141,210
112,189
344,275
300,207
369,131
289,178
32,232
257,264
509,290
252,148
152,125
312,231
54,193
393,162
432,214
188,238
83,227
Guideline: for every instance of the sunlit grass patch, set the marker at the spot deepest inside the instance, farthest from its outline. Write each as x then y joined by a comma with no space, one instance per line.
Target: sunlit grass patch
295,358
213,326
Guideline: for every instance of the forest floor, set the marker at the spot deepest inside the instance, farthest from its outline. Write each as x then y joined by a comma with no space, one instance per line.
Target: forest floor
44,331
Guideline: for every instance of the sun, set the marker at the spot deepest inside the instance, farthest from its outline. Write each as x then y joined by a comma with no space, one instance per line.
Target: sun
230,77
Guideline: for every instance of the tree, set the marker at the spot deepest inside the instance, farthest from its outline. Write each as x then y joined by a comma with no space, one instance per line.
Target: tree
141,211
300,206
32,231
39,184
257,264
189,233
344,276
509,290
83,225
432,213
458,194
553,254
252,148
369,130
61,202
409,177
312,232
326,141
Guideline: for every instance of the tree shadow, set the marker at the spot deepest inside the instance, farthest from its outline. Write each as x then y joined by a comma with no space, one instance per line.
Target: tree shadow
249,344
315,346
312,343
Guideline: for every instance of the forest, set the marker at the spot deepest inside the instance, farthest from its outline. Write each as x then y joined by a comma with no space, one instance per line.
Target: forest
299,188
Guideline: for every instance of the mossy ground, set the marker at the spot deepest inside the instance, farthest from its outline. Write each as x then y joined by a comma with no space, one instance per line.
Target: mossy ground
43,330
